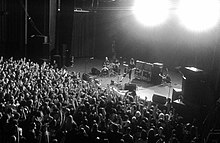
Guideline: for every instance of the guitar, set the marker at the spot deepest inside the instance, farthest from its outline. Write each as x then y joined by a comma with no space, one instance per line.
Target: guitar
166,78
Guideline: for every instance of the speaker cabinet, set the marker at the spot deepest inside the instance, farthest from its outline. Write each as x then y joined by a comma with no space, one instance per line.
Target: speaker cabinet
156,70
130,87
193,86
177,94
87,77
159,99
95,71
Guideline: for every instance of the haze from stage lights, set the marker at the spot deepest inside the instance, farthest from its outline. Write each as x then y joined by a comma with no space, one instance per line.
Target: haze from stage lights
198,15
151,12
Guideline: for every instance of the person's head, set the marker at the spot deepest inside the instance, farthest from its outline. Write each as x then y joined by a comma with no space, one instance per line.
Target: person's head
95,127
16,115
105,141
160,130
133,119
188,127
106,58
131,61
114,127
174,140
82,131
144,135
54,141
121,141
161,116
151,133
127,123
128,130
13,139
137,114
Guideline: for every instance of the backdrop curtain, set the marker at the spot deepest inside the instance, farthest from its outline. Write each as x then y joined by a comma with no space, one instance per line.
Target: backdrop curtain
83,35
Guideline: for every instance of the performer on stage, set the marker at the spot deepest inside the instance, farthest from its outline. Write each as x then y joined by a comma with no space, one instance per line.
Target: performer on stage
106,62
116,65
128,71
105,67
165,76
113,50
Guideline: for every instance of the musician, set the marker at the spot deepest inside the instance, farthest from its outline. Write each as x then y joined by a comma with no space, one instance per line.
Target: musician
116,65
105,68
165,76
106,62
128,71
131,66
55,65
113,50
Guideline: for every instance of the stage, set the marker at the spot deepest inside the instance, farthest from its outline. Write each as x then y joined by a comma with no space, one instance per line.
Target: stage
144,89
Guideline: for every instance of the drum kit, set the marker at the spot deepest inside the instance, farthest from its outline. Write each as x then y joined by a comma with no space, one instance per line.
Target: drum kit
111,69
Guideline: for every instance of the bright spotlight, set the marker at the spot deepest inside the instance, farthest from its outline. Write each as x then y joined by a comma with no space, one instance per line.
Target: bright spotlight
199,15
151,12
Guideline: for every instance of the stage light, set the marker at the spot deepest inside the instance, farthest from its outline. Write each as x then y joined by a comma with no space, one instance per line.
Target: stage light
199,15
151,12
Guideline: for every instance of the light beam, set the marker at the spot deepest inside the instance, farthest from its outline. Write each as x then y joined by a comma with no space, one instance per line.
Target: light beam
151,12
198,15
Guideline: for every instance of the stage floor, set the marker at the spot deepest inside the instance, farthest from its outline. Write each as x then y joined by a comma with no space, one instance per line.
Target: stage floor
144,89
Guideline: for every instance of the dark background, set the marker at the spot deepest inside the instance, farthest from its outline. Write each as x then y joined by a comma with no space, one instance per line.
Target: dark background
90,34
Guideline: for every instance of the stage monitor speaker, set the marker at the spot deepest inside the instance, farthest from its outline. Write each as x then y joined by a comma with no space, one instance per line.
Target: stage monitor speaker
194,91
183,110
95,71
86,77
130,87
177,94
159,99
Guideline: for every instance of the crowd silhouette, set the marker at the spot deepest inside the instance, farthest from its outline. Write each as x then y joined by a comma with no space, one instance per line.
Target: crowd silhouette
40,103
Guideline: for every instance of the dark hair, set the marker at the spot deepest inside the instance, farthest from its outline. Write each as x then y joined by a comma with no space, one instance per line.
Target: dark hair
144,135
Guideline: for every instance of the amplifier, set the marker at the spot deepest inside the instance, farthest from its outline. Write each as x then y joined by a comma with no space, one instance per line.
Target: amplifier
140,64
159,99
130,86
148,67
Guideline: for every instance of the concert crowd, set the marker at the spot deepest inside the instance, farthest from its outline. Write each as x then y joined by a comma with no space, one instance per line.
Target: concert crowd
44,104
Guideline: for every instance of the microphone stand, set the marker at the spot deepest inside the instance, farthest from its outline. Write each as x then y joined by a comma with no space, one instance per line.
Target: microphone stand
170,83
86,62
169,89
